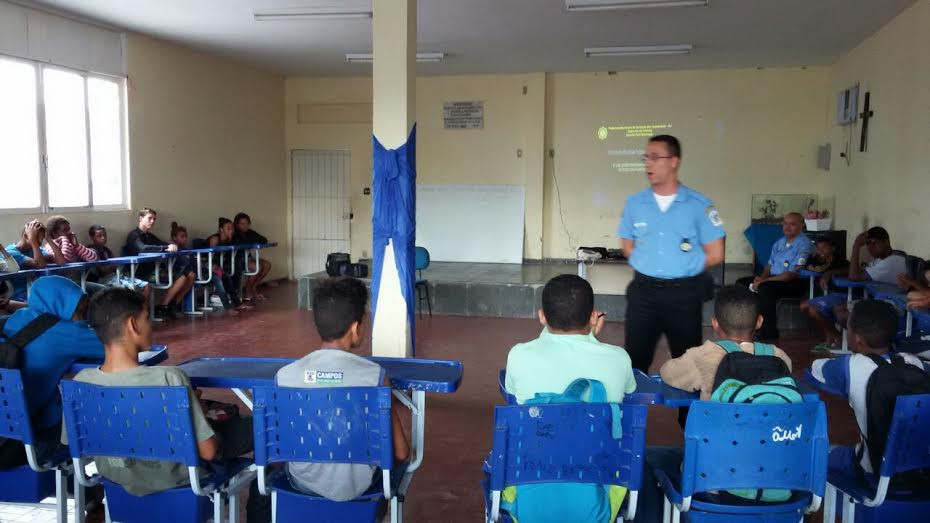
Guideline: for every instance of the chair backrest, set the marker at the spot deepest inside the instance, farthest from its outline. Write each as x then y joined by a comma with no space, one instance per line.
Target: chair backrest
14,414
909,436
745,446
569,442
326,425
142,422
422,258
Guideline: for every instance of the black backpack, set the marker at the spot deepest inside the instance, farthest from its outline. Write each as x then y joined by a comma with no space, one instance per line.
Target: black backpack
335,262
890,380
11,349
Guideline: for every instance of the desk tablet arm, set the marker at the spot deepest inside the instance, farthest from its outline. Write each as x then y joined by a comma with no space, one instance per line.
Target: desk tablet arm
80,475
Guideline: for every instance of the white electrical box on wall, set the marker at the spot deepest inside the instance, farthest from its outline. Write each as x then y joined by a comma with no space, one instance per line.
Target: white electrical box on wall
847,103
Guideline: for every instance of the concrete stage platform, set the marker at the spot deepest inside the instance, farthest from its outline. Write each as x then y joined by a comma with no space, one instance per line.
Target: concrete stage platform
501,290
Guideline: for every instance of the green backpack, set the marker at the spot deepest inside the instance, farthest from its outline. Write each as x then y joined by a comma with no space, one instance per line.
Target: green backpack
759,378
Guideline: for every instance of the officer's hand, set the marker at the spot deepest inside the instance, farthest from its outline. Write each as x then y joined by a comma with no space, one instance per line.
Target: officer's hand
597,321
758,281
905,281
860,239
918,299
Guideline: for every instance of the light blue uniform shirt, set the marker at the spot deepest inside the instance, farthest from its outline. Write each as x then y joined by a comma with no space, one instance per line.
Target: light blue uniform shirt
785,258
670,244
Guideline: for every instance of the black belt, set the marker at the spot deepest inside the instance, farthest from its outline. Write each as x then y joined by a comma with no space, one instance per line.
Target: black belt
667,283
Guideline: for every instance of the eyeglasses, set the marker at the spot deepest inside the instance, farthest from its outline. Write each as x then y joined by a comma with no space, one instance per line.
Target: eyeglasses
653,157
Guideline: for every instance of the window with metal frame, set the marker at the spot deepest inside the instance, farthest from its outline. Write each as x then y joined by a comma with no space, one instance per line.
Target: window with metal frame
62,139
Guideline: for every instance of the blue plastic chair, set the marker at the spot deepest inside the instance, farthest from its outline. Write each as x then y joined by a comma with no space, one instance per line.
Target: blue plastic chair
326,425
422,262
577,446
742,446
36,481
905,450
150,423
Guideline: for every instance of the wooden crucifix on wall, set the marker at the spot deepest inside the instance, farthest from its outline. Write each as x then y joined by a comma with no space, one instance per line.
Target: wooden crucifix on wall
866,115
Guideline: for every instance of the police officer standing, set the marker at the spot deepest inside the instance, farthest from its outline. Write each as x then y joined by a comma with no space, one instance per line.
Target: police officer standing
671,234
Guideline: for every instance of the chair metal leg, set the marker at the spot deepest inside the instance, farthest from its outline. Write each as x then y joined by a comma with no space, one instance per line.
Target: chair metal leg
274,507
676,515
233,508
849,509
79,501
106,512
61,496
217,507
394,514
666,511
429,304
829,505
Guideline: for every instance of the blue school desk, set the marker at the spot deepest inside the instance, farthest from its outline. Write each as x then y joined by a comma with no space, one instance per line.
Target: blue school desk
151,357
411,379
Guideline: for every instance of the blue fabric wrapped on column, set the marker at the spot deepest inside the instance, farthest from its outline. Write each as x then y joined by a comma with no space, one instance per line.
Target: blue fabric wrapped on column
394,217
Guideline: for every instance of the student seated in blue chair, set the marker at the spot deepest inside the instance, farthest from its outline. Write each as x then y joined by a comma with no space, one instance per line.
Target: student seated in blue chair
120,318
339,315
32,252
106,275
46,358
736,318
873,325
567,349
885,267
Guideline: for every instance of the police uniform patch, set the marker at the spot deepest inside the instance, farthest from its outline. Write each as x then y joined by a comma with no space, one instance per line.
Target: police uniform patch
714,216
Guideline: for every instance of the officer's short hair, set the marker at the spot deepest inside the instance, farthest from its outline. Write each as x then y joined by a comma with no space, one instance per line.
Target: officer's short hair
672,143
736,309
876,321
567,302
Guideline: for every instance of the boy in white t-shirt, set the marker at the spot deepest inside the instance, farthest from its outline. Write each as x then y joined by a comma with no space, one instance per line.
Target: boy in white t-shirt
885,267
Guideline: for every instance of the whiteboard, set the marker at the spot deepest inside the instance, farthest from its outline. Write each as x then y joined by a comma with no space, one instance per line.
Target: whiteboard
471,223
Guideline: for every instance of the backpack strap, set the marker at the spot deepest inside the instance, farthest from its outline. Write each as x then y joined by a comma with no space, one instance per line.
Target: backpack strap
33,330
759,349
729,346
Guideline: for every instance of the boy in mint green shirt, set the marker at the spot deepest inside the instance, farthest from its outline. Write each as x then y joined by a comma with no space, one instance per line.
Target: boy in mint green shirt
565,351
567,348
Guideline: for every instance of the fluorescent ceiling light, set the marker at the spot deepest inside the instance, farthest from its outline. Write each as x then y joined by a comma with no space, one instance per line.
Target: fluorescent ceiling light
311,13
367,58
604,5
637,50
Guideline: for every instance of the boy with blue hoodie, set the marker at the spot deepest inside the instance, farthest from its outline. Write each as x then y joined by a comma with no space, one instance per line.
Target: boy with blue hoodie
47,358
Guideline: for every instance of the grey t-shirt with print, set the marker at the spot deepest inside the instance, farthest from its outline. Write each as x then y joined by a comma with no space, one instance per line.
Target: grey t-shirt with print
327,368
140,476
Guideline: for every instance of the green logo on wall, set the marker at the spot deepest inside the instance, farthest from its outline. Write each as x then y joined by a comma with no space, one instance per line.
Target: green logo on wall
602,133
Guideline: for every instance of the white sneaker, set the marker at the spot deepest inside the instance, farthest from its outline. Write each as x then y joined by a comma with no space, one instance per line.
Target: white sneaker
215,301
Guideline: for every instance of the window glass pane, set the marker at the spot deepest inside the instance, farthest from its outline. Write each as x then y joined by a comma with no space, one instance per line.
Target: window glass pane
19,138
65,138
105,145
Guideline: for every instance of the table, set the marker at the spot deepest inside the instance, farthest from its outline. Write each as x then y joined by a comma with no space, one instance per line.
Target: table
149,358
411,379
651,390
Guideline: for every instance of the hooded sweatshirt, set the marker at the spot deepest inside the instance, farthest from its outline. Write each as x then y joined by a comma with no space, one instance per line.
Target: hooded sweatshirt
47,358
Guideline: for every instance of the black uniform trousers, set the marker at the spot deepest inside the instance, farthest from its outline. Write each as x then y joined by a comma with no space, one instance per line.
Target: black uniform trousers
769,294
655,307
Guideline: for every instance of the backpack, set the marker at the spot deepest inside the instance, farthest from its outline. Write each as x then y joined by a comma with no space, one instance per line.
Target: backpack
887,382
335,261
11,349
757,378
538,502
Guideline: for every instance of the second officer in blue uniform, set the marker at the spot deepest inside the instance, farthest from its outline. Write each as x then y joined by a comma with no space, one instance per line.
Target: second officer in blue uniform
671,234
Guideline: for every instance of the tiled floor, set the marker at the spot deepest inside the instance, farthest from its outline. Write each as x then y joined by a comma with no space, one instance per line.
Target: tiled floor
33,514
458,428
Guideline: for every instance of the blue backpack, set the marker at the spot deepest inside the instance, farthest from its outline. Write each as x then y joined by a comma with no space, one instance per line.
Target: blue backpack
759,378
568,501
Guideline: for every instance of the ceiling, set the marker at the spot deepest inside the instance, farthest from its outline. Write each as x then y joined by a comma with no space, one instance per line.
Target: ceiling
509,36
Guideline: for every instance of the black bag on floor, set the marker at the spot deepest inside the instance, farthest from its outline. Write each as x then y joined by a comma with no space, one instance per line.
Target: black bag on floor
335,262
357,270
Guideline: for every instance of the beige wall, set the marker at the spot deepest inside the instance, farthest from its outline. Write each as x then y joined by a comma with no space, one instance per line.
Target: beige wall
888,184
513,122
205,140
742,131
